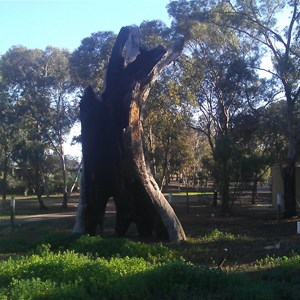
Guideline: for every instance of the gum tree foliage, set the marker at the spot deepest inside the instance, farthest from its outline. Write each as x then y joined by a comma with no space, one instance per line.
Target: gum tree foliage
258,153
155,31
219,74
167,138
171,144
89,60
273,130
166,144
260,21
39,82
9,137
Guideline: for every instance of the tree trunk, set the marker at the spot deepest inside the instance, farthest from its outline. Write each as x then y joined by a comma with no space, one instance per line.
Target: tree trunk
79,226
75,180
254,189
3,201
225,188
65,186
4,183
289,170
163,179
38,188
215,199
112,144
289,183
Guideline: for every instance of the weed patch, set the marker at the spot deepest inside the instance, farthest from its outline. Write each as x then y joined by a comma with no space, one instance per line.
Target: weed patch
43,260
123,269
122,247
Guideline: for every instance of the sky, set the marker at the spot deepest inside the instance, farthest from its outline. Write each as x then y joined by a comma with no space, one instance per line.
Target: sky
63,24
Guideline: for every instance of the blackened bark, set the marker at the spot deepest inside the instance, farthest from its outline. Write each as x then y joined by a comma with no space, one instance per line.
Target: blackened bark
113,157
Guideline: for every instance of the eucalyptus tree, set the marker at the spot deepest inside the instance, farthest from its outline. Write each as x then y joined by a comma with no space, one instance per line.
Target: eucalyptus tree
168,139
40,81
170,143
273,131
31,158
217,70
274,26
63,111
284,49
155,32
258,149
9,137
88,62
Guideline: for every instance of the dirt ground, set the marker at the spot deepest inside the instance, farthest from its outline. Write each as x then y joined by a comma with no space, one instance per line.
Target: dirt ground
254,227
257,229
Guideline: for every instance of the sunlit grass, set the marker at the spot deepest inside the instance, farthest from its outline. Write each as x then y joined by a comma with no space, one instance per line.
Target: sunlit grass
180,194
217,235
95,268
48,262
276,261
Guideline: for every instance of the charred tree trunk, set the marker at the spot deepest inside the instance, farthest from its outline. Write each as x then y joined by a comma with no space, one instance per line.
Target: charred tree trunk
112,144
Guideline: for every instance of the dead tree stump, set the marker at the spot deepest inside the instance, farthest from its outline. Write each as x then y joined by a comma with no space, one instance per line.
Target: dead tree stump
112,144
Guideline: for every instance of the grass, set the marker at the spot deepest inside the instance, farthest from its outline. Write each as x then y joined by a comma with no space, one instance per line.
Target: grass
180,194
44,260
95,268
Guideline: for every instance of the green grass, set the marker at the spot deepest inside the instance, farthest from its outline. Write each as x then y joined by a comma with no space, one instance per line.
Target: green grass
33,197
268,262
180,194
64,266
43,260
208,248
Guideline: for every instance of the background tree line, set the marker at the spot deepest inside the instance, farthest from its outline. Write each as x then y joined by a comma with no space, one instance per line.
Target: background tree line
219,113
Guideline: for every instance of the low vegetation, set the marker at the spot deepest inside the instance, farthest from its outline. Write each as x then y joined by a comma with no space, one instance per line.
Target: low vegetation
65,266
44,260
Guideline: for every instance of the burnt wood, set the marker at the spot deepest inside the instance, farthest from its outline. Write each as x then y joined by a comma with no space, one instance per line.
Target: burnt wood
112,144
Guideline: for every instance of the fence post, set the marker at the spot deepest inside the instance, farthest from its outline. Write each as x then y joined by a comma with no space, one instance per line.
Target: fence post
170,198
187,202
279,201
12,212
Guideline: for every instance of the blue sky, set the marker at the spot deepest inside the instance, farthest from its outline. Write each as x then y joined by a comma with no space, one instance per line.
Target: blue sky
63,24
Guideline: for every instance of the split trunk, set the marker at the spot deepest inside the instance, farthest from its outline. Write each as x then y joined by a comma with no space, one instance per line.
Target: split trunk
112,144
